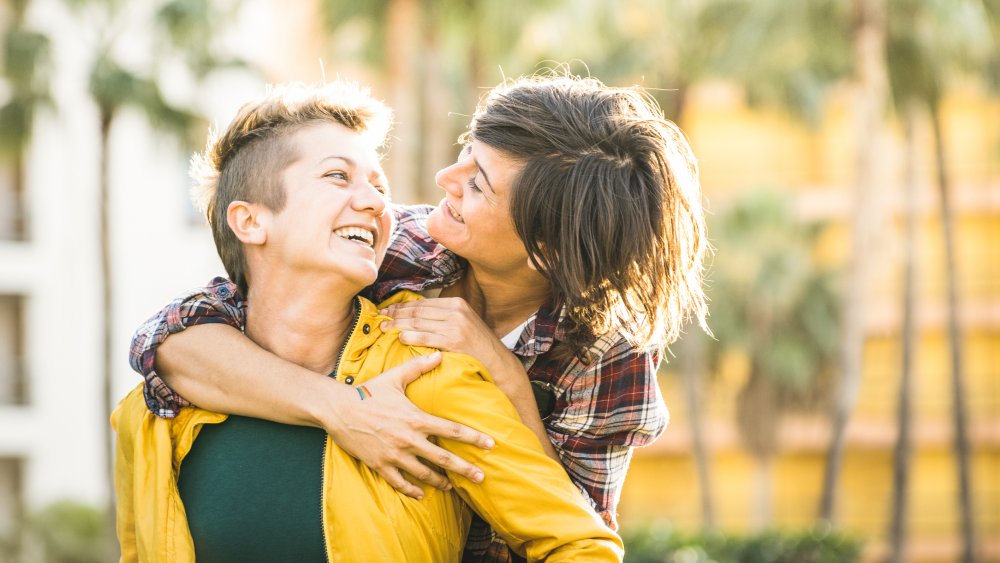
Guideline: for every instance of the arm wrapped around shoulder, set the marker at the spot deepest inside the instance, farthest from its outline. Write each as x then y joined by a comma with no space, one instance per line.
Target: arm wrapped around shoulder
525,496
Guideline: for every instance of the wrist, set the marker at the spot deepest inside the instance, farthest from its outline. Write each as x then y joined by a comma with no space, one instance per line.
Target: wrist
326,406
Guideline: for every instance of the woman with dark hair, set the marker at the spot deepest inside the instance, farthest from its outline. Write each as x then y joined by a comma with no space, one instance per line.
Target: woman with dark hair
566,254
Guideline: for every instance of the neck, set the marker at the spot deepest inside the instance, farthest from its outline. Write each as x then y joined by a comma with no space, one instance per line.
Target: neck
300,321
503,300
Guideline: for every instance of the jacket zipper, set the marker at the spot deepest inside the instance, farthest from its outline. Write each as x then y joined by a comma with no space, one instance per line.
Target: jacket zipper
322,469
350,333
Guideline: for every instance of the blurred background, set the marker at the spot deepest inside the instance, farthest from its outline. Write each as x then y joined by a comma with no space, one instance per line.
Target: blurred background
849,405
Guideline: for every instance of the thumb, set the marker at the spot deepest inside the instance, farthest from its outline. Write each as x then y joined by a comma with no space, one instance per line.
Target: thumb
413,368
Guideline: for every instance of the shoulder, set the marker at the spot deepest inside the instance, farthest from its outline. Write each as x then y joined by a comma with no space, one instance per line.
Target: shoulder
610,361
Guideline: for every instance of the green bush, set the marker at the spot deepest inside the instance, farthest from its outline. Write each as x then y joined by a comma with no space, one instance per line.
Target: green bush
662,544
70,532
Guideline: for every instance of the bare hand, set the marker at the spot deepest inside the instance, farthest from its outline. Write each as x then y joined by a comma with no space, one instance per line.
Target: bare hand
448,323
389,434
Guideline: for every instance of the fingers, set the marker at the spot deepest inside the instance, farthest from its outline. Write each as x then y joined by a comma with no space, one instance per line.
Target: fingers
428,340
408,371
393,476
416,466
422,332
451,462
439,309
444,428
422,473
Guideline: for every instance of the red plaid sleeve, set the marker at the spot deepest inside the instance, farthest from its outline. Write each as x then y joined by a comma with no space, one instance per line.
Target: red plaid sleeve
219,302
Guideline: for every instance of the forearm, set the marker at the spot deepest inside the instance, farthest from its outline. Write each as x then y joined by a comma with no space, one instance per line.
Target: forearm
517,388
218,368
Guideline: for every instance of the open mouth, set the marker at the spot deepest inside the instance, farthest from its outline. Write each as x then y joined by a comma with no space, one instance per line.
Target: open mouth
358,235
454,213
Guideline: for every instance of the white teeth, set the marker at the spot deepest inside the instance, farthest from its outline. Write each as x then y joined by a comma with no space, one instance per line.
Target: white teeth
455,213
356,234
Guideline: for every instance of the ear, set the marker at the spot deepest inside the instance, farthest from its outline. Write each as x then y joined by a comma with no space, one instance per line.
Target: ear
248,221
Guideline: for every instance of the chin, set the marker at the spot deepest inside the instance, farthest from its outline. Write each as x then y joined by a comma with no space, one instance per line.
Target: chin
434,227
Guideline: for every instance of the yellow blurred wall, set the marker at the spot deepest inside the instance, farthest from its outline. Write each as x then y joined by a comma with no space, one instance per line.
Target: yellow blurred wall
740,148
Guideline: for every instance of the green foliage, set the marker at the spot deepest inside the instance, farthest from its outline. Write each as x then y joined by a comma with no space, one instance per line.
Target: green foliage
789,53
69,532
182,29
188,28
26,64
113,87
662,544
770,298
929,40
771,301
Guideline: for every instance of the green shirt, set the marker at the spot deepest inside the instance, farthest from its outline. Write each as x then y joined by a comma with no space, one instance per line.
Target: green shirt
252,492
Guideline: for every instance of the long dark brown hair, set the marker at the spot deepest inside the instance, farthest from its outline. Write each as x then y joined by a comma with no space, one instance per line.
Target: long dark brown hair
608,205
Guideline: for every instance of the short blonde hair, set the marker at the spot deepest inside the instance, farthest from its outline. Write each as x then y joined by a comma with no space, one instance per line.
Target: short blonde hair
244,162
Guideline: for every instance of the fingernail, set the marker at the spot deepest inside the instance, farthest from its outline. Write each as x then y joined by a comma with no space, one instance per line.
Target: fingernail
489,443
435,355
384,325
478,477
384,312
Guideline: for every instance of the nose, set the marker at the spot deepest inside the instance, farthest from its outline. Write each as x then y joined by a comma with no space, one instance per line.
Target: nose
449,179
368,198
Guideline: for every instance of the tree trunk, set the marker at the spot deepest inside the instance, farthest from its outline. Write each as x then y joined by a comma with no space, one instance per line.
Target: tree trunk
955,341
758,414
438,143
402,48
763,493
477,77
677,103
20,223
872,93
693,373
901,460
107,317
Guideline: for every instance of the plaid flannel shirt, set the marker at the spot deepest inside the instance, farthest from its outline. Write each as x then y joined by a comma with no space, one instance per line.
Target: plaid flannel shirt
602,409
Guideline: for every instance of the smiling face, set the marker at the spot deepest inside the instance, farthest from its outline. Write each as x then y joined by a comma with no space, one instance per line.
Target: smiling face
473,220
334,220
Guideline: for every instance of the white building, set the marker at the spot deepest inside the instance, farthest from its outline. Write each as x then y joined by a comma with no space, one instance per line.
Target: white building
51,412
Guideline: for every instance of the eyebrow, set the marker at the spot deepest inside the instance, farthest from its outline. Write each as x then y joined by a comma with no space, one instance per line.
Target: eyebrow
349,162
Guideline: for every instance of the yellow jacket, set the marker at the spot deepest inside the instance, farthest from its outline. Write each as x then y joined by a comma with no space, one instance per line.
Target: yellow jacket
526,496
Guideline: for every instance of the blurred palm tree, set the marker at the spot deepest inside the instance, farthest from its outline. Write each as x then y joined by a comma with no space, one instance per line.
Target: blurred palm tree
26,67
184,34
927,41
903,448
774,304
665,46
431,55
866,38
